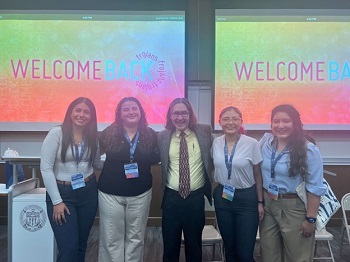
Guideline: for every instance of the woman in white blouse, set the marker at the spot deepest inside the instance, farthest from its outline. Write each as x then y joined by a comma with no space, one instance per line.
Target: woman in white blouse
238,198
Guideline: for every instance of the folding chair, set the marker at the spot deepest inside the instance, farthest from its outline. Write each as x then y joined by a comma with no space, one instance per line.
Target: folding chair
345,206
324,235
211,234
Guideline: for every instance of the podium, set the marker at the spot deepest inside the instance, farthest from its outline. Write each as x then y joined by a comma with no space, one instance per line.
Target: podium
30,237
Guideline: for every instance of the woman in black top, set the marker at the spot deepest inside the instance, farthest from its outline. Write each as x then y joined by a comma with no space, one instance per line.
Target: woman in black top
125,184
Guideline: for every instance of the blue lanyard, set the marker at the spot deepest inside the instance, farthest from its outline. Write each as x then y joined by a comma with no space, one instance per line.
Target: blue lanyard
275,159
228,162
132,145
78,157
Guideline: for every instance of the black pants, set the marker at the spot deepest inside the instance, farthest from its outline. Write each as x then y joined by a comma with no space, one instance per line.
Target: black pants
238,223
185,215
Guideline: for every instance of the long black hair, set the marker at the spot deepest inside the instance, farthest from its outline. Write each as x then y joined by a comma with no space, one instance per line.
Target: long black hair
298,140
90,130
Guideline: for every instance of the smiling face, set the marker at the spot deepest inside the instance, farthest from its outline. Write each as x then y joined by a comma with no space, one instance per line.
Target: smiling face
180,116
81,115
130,113
230,122
282,126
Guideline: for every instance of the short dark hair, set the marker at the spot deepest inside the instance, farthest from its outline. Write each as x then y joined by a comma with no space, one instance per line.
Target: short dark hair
192,117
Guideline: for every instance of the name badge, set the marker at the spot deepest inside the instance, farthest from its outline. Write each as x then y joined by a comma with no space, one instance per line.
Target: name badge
77,181
131,170
273,191
228,192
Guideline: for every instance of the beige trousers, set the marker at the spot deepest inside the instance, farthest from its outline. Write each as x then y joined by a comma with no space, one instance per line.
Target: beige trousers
123,223
280,230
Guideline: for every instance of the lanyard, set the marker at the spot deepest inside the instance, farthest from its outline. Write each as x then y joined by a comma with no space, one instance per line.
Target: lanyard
228,162
78,157
132,145
275,160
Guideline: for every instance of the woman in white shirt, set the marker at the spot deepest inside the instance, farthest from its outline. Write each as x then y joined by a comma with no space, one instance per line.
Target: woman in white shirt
238,198
68,155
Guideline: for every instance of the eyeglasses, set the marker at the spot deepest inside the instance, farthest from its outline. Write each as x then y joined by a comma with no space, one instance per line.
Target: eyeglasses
234,120
183,114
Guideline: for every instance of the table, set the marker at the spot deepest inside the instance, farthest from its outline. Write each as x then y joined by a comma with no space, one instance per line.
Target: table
31,161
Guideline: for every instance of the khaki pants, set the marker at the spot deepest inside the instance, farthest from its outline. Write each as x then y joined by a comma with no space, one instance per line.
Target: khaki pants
123,223
280,230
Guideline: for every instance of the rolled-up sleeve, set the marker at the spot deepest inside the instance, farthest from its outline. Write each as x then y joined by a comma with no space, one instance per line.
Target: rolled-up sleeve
314,178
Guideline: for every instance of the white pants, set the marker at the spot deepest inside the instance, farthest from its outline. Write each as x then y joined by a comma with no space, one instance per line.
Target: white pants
123,223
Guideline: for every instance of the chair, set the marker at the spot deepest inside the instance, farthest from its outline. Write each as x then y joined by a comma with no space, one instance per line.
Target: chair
323,235
345,206
211,234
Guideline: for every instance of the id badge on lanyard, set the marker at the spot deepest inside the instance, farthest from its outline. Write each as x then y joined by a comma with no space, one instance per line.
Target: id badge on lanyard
77,181
228,192
131,170
273,189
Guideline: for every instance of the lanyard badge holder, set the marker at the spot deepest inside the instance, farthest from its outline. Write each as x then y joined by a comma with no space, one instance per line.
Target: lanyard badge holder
229,190
273,190
131,169
77,180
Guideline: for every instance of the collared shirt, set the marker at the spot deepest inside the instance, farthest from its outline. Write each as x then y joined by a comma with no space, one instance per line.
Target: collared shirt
197,179
314,177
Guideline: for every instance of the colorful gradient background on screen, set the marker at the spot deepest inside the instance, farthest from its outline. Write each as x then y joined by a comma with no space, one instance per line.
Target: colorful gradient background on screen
321,99
144,59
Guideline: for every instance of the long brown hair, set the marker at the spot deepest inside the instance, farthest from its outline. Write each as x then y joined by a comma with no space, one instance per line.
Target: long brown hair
115,132
192,117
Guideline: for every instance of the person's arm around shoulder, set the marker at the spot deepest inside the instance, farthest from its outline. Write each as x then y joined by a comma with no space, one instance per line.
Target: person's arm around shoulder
155,155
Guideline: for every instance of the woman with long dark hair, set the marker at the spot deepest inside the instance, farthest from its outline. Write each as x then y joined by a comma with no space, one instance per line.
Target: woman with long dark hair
288,228
125,184
69,154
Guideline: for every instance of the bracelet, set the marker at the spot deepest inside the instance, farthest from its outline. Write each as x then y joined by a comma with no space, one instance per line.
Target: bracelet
261,202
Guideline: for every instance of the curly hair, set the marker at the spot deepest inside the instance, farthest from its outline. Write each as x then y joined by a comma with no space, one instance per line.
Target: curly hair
298,141
90,130
115,132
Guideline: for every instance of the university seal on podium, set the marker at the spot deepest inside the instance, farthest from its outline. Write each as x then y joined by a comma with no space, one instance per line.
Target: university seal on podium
32,218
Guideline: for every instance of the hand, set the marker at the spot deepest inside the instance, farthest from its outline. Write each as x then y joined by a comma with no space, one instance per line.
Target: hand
261,211
307,229
58,213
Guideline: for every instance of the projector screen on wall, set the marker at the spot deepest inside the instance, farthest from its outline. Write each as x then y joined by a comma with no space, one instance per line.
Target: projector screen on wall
264,58
49,58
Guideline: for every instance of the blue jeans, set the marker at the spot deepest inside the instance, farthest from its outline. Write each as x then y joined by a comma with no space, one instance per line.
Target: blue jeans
238,223
71,237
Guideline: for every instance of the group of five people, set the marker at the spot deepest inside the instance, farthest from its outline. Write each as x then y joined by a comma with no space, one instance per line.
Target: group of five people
255,183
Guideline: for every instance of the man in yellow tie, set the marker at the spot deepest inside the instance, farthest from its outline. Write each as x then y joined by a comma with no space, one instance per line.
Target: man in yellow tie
186,168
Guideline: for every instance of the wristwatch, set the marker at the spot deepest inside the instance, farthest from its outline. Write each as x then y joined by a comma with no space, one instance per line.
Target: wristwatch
311,220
